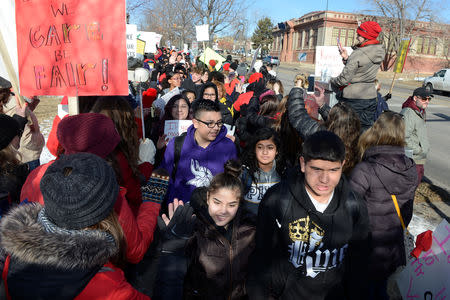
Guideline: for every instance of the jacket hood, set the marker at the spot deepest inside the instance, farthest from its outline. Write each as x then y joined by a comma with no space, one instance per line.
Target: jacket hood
190,138
375,52
393,168
25,238
46,265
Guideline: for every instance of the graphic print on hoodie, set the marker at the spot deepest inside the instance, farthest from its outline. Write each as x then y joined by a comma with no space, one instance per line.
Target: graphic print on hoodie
307,248
202,174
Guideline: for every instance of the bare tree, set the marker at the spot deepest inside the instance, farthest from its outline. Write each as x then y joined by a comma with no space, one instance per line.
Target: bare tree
172,19
218,14
400,19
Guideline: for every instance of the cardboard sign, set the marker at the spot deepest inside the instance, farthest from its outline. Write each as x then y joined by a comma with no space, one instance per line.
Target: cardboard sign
202,32
211,54
72,47
328,60
173,128
428,277
131,40
160,103
152,39
140,49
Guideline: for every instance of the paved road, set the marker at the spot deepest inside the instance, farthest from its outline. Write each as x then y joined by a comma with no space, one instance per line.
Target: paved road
437,168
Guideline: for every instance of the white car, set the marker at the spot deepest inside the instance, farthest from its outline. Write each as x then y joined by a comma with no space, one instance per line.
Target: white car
440,81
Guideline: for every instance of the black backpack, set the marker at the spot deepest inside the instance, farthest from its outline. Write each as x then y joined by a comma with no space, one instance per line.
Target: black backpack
178,144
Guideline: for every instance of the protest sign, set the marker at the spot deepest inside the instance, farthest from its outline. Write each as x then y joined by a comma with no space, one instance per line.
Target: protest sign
428,277
140,48
173,128
255,55
131,40
211,54
401,58
152,39
202,32
329,61
72,47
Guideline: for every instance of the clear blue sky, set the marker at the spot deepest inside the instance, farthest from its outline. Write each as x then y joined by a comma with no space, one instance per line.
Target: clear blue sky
283,10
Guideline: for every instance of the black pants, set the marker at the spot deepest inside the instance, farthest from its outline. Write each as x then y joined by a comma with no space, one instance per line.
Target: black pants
365,109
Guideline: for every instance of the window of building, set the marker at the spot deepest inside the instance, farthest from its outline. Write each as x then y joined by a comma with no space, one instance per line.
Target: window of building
426,45
299,41
346,36
306,39
313,38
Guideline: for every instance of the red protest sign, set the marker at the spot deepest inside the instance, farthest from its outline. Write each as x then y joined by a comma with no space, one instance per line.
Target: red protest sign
65,45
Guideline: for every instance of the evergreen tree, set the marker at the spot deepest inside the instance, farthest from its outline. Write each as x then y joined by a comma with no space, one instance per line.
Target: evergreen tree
263,35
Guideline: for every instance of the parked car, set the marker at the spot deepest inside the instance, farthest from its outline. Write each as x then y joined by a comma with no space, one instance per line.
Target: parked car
271,60
440,81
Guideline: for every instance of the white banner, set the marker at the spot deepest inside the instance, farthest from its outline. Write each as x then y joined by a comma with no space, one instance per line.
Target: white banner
174,128
8,30
202,32
131,40
151,39
329,61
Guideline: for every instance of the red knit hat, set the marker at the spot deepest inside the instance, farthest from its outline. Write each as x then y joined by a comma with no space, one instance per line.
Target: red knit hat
255,77
212,63
148,97
90,132
369,30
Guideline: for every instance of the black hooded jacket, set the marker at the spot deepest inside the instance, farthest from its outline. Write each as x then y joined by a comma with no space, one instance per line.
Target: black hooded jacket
304,254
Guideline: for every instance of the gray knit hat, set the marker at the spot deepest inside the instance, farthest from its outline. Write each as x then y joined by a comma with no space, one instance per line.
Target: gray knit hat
79,190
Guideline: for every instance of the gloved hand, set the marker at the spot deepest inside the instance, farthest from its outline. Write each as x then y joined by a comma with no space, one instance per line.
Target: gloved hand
176,228
147,151
155,189
388,96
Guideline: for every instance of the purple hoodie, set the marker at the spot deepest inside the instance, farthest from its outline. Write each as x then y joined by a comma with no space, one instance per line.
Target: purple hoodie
197,165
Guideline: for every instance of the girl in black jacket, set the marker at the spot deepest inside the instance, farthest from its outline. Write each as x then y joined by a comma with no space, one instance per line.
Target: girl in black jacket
222,240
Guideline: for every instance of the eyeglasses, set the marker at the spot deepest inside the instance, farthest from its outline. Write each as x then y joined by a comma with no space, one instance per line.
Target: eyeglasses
208,95
211,124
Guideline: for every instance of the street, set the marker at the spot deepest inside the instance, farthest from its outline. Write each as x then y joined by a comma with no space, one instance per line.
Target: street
437,167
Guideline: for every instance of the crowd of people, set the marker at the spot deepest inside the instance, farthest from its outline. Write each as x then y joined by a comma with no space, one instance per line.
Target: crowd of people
265,196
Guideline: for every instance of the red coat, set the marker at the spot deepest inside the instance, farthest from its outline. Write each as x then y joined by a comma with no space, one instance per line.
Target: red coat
130,182
110,284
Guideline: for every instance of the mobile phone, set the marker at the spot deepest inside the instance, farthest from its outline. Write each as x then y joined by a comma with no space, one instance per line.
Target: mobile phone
339,45
310,89
32,103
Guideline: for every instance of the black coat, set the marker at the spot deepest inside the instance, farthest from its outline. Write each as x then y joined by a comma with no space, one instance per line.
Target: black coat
218,258
386,171
298,116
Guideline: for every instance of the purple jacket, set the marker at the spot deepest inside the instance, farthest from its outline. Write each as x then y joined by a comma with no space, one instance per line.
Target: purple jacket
197,165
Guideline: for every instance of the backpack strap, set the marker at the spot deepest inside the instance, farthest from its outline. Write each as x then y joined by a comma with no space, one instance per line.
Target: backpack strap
178,144
4,286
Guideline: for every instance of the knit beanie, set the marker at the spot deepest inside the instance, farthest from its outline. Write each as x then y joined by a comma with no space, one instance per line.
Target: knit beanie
79,190
9,128
148,97
369,30
4,83
233,66
226,66
90,132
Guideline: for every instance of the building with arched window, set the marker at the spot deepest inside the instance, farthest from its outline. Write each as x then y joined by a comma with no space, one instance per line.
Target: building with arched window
297,39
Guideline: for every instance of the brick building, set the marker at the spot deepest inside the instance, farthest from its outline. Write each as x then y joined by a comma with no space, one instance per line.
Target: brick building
429,50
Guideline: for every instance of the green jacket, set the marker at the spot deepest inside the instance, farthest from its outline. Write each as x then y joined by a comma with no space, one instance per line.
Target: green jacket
416,134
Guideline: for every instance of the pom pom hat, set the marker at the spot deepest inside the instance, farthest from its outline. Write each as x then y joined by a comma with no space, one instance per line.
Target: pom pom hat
369,30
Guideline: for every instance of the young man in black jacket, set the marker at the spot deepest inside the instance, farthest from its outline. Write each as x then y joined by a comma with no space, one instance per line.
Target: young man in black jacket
312,231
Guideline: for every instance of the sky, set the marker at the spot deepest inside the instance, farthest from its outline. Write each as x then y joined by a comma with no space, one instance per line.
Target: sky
283,10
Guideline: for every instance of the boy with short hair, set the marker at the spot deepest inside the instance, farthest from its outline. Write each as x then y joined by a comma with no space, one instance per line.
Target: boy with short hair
204,151
312,230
